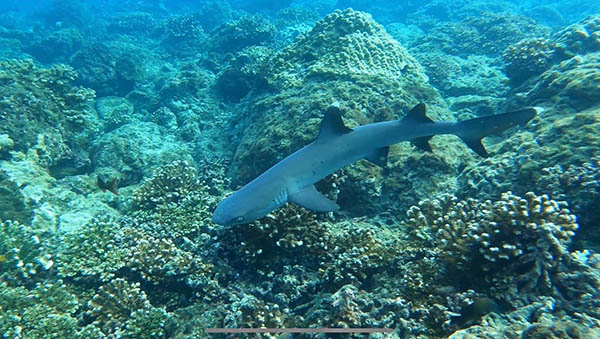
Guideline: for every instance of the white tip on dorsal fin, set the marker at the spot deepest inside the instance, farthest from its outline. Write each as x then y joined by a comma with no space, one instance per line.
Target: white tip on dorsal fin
332,124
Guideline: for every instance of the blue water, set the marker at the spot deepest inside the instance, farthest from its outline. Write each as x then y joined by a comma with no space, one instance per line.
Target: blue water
124,124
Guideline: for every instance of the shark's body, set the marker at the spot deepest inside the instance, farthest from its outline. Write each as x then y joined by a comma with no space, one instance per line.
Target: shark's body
293,178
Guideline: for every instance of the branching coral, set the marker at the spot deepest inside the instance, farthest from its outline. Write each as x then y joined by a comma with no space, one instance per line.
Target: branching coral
121,308
24,252
183,27
357,251
578,184
519,246
44,311
283,234
174,202
160,260
93,251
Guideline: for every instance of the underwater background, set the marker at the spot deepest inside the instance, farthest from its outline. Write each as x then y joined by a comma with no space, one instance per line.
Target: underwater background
124,123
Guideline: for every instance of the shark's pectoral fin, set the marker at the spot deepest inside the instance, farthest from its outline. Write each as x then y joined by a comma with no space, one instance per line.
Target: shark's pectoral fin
422,143
379,156
311,199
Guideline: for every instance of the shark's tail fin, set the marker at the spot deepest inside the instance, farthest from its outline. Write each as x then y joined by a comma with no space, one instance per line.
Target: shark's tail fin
473,130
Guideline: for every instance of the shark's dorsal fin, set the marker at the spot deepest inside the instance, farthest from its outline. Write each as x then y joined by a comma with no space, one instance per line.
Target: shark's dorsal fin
417,114
379,156
332,124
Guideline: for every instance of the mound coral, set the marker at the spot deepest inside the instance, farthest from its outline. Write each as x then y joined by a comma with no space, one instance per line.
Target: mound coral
346,57
528,57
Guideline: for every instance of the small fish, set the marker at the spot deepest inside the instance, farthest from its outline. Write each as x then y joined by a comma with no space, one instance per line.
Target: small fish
473,312
110,186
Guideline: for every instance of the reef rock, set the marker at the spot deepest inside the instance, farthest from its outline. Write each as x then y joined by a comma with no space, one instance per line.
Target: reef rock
134,150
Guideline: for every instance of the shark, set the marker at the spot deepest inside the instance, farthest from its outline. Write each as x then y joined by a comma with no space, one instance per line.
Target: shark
292,179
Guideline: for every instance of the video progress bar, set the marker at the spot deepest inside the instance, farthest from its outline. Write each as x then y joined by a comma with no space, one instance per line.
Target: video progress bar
298,330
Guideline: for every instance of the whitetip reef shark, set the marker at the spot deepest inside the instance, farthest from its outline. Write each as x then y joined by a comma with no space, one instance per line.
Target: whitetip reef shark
293,178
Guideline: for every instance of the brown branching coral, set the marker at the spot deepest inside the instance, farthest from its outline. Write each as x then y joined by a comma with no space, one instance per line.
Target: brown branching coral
174,203
518,245
288,230
121,308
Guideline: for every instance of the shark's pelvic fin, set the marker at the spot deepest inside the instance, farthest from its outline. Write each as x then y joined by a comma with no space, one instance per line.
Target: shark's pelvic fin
417,114
422,143
311,199
332,124
379,156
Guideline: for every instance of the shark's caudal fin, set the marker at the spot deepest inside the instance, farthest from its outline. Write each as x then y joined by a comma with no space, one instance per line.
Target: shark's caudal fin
473,130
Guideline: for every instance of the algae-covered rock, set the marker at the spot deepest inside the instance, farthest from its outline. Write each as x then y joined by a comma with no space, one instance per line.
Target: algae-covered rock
32,195
135,149
573,82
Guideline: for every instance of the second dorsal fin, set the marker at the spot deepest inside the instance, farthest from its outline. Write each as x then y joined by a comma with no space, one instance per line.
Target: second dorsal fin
417,114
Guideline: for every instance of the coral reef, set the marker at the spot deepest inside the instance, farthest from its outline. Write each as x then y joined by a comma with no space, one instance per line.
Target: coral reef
246,31
40,108
134,150
528,57
185,101
25,252
122,309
